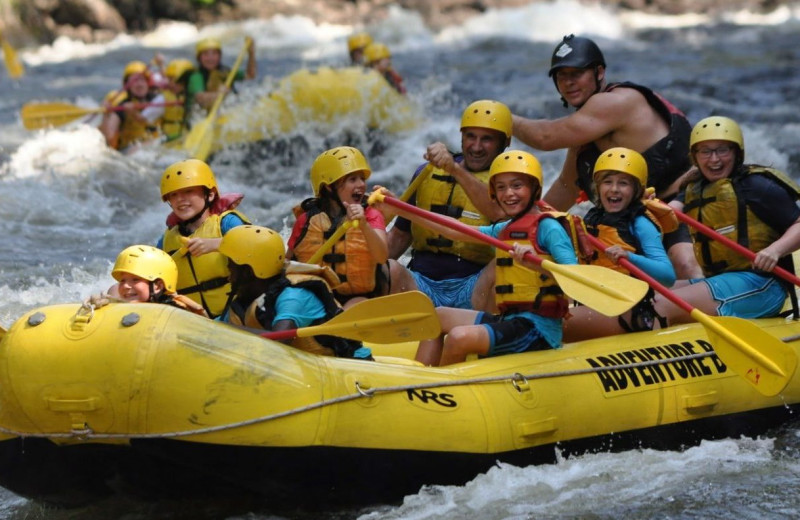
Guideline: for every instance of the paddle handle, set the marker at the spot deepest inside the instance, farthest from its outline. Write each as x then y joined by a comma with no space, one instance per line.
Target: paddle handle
707,231
228,81
324,248
280,335
412,188
640,274
451,223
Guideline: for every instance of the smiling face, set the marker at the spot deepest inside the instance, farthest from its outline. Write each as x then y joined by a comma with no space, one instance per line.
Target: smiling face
576,86
351,188
513,191
137,85
188,202
616,190
480,146
716,158
135,289
209,59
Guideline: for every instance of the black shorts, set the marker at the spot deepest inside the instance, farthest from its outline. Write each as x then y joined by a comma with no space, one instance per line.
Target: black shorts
676,237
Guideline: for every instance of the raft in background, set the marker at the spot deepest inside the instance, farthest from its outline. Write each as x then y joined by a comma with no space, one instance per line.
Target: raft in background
149,398
323,96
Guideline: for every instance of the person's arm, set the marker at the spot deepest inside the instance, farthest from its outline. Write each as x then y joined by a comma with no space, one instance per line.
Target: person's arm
600,116
373,229
152,113
654,261
773,205
767,258
564,190
399,240
251,59
109,127
478,192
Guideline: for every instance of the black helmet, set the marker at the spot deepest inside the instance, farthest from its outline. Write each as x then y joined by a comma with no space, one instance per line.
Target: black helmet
575,51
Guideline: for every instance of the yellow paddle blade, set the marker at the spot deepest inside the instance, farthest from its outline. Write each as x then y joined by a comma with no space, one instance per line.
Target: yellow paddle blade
760,358
608,292
13,65
43,115
408,316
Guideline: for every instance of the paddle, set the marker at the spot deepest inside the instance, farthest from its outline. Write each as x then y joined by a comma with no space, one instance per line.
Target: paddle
13,65
199,140
760,358
604,290
412,188
324,248
408,316
43,115
707,231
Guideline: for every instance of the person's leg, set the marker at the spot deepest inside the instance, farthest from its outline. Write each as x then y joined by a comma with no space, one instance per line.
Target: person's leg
585,323
429,351
483,292
400,278
462,341
697,295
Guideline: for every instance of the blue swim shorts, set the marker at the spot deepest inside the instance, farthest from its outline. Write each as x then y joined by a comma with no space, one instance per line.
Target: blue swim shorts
455,292
745,294
511,335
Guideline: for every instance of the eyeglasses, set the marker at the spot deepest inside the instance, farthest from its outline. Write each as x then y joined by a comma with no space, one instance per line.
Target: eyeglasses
722,151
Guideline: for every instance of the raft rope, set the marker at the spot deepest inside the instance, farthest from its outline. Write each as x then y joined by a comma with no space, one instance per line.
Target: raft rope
516,380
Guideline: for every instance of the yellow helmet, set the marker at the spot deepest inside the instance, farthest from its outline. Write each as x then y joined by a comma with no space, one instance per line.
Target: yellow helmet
717,128
135,67
376,51
358,41
177,68
259,247
184,174
331,165
147,262
208,43
622,160
487,114
515,161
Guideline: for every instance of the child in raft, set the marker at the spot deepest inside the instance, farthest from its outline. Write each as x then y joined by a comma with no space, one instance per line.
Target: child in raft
361,256
621,219
200,218
531,302
145,274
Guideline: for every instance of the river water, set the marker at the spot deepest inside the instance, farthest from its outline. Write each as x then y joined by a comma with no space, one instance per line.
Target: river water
68,205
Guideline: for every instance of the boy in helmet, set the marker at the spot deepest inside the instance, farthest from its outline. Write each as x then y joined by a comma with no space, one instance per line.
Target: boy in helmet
750,204
378,57
133,123
532,305
623,220
449,271
608,115
208,81
199,220
173,122
361,256
355,47
266,294
145,274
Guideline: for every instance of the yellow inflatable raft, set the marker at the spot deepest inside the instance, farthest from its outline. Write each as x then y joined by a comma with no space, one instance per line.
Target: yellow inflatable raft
166,398
323,97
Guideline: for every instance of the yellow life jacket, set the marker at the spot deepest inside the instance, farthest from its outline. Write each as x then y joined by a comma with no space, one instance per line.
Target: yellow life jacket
349,258
520,289
615,229
719,206
132,129
440,193
202,278
173,122
215,78
318,279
